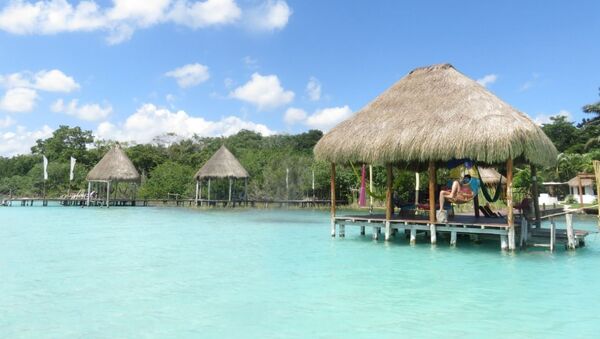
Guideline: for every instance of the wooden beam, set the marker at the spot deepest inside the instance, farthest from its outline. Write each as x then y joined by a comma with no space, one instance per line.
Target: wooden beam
476,205
389,205
580,188
89,191
509,202
535,196
332,183
432,180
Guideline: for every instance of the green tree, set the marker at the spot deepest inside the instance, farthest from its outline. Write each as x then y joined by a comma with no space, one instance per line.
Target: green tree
563,133
64,143
168,177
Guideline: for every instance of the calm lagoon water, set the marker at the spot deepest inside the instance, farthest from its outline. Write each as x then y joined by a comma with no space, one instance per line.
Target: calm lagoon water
176,272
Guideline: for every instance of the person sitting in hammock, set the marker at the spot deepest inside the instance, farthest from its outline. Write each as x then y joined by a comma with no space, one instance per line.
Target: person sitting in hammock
460,192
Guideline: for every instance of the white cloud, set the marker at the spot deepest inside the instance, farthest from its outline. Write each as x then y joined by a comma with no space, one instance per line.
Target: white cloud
50,81
488,80
88,112
313,89
542,118
189,75
54,81
124,17
294,115
263,91
271,15
142,12
329,117
18,99
7,122
50,17
21,140
201,14
150,121
322,119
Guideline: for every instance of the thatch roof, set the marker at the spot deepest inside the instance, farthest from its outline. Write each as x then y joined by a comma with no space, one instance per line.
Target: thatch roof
114,166
223,164
586,180
490,176
436,113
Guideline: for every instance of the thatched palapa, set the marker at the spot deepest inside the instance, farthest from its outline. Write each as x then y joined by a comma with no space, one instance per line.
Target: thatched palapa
223,164
436,114
114,166
490,176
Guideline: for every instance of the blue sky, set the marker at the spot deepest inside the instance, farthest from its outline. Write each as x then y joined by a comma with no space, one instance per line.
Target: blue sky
134,69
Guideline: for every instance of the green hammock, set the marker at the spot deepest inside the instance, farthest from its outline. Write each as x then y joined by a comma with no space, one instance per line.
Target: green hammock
371,194
484,189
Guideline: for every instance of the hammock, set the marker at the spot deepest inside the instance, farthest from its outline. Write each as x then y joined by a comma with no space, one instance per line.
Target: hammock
485,191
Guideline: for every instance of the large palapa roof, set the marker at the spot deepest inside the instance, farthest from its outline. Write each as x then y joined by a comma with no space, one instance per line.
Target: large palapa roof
223,164
436,114
114,166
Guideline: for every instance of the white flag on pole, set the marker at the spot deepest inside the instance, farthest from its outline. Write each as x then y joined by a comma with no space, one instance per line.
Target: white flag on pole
45,167
72,173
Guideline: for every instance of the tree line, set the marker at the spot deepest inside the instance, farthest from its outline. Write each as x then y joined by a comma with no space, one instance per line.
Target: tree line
168,163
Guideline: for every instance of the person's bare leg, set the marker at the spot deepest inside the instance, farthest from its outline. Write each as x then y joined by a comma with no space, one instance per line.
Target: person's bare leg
455,188
452,194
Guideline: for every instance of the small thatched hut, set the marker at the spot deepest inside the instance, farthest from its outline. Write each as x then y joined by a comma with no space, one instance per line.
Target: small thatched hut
581,188
116,167
433,115
222,165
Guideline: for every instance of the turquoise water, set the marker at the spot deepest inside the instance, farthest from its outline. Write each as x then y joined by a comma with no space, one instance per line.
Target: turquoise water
176,272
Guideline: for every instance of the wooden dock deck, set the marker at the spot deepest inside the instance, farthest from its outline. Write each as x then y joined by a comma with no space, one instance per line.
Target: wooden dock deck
265,203
525,230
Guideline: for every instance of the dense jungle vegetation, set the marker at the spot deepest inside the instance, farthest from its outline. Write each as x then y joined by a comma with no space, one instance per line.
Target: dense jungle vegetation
167,164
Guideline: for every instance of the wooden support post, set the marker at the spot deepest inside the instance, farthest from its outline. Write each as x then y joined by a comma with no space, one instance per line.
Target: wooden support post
370,189
208,191
199,193
504,242
432,180
362,230
332,184
476,205
389,206
433,234
246,190
524,232
509,203
417,188
571,242
89,192
580,188
230,184
375,232
453,238
107,194
536,196
197,190
342,231
552,234
413,236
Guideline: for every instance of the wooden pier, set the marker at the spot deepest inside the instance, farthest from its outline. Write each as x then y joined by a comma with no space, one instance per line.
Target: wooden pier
412,226
257,203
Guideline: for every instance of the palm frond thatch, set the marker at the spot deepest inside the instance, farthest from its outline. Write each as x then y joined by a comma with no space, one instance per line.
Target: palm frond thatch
223,164
436,113
114,166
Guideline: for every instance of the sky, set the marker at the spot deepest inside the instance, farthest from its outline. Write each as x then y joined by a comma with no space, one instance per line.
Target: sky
131,70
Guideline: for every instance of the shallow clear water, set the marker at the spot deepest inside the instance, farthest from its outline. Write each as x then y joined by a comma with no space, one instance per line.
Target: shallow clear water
176,272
